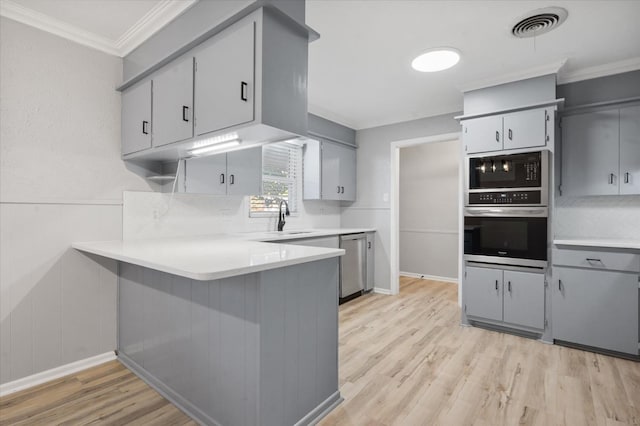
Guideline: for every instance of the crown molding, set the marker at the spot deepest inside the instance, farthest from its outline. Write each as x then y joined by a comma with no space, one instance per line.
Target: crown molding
161,14
588,73
552,68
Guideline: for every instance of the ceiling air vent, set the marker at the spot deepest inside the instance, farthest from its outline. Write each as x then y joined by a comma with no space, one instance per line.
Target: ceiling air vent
539,22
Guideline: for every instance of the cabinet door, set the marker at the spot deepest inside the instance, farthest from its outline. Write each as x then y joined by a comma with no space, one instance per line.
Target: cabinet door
630,150
596,308
173,104
370,261
482,134
244,172
224,88
136,118
524,299
347,173
483,289
331,171
590,153
525,129
206,175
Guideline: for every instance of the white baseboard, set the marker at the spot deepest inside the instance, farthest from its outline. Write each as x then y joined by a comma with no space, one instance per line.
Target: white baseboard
55,373
382,291
429,277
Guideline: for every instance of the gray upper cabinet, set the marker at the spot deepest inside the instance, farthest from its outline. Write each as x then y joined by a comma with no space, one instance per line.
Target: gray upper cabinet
524,299
338,172
601,152
173,103
482,134
511,297
596,305
522,129
225,80
525,129
244,172
483,292
233,173
136,118
590,153
630,150
329,171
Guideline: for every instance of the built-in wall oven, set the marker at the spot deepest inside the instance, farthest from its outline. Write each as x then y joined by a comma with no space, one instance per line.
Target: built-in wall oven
506,209
514,236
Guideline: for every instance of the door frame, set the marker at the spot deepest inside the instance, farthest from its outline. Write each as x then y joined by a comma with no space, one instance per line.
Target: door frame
395,204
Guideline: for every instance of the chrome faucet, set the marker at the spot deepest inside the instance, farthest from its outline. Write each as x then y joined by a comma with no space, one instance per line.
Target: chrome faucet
281,215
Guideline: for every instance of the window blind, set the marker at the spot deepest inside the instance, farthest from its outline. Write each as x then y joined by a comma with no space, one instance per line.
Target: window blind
279,178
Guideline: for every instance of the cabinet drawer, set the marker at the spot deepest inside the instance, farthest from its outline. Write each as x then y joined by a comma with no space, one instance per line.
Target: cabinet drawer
615,261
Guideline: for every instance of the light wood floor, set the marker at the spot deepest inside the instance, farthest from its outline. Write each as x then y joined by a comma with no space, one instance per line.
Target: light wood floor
404,360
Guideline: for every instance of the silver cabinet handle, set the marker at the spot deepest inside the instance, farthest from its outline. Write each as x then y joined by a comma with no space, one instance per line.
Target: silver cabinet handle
369,244
611,177
338,189
231,179
497,136
626,177
221,178
145,127
510,135
185,113
509,286
496,284
342,189
559,285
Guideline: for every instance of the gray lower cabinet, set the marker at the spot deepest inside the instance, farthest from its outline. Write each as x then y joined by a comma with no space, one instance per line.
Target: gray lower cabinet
136,118
173,103
513,298
255,349
233,173
601,152
595,299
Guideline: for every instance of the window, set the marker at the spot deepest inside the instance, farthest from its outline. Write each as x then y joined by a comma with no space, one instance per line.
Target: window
279,179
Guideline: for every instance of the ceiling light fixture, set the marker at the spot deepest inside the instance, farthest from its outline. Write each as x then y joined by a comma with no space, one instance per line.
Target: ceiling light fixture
438,59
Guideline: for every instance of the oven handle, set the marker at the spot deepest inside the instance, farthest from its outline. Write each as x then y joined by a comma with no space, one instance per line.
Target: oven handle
506,212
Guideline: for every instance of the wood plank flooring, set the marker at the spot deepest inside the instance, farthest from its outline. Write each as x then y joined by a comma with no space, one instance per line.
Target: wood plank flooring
404,360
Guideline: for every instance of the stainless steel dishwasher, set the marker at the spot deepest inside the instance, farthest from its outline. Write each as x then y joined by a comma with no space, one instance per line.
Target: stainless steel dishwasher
353,266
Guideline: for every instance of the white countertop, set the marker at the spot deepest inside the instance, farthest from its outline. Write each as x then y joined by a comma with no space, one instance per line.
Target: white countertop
208,257
599,242
296,234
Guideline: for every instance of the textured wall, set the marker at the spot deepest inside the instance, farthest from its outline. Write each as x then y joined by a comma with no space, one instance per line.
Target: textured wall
429,192
61,180
372,207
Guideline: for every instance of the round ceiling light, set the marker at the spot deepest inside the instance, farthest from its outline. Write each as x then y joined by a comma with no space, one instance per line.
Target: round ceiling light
436,60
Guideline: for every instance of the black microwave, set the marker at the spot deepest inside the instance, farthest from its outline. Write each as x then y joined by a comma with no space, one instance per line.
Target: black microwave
508,179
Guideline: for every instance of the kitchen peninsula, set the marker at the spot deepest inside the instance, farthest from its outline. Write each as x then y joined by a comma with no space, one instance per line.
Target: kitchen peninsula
231,331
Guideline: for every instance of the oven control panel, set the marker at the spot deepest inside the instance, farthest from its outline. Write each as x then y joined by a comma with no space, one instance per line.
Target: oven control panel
509,197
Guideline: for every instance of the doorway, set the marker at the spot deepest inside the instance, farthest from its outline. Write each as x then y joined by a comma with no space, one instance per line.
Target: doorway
426,221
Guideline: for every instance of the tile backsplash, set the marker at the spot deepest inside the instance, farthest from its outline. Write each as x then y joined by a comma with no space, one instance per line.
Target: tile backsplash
158,215
598,217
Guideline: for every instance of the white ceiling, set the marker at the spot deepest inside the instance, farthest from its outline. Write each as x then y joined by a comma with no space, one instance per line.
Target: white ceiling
359,69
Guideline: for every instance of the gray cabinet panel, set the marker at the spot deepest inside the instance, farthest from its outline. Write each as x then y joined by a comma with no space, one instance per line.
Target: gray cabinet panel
371,266
483,292
330,163
225,80
136,118
590,153
524,299
482,134
348,173
630,150
173,104
525,129
206,175
596,308
244,172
